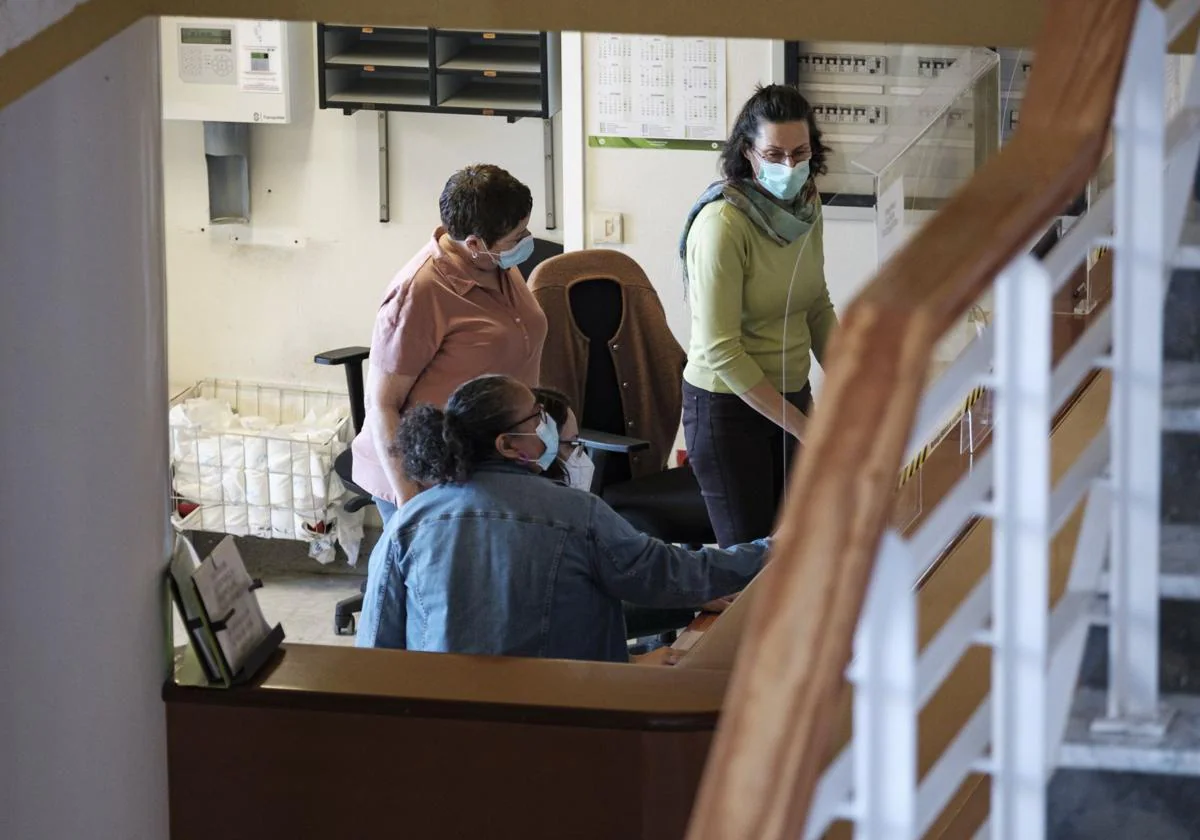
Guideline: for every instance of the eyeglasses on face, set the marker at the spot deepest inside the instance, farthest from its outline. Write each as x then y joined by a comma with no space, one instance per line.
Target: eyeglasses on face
776,156
539,414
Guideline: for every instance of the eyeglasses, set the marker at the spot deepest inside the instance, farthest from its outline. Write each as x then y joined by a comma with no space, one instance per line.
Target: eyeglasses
776,156
540,414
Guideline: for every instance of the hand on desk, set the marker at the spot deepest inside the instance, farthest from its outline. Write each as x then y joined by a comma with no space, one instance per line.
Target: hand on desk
718,605
659,656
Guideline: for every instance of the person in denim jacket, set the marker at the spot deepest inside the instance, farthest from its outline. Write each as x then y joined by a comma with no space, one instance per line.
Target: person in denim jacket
494,559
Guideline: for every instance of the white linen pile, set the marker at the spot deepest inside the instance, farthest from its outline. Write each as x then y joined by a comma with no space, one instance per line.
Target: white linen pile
251,477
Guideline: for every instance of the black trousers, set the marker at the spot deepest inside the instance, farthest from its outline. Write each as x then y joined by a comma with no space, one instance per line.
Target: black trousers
740,459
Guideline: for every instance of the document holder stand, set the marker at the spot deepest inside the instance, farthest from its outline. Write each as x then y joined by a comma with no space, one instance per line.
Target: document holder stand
202,635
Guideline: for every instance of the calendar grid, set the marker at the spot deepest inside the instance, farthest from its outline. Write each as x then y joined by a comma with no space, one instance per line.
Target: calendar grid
657,89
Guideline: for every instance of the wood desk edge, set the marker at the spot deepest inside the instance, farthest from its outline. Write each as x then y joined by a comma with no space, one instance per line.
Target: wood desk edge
540,691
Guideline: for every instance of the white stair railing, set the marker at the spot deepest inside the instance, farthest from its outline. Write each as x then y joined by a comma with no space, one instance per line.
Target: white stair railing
1015,733
1136,415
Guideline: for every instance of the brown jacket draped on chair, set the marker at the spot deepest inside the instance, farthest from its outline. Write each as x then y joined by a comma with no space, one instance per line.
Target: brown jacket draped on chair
648,360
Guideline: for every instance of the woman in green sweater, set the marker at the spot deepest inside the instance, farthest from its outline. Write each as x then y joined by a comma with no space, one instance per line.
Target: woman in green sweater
754,269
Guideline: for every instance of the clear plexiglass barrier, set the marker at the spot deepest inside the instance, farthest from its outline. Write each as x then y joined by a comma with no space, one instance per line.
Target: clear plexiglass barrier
933,144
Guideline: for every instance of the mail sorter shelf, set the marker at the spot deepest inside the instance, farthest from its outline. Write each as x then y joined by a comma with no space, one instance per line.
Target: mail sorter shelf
508,74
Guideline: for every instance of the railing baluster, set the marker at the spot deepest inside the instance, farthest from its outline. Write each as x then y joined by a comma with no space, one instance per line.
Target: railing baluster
1136,413
1020,550
885,700
1090,547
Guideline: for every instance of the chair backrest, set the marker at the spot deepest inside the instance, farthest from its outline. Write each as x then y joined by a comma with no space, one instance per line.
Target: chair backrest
596,306
543,249
605,297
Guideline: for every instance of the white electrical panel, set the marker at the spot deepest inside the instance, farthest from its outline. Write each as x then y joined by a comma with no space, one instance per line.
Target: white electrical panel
229,70
857,89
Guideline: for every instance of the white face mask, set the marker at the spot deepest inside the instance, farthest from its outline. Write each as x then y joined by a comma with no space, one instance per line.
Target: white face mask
580,470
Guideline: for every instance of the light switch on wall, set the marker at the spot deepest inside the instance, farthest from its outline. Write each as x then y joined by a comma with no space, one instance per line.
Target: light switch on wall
607,228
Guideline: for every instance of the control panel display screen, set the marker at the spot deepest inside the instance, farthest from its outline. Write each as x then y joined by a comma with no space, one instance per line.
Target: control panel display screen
206,37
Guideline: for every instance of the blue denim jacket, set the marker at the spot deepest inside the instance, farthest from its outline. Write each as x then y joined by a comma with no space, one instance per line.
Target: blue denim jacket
513,564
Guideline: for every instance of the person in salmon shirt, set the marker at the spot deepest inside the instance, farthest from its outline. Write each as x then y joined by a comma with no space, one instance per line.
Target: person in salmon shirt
459,309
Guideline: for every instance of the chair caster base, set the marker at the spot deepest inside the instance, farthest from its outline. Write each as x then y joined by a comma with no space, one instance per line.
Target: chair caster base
344,625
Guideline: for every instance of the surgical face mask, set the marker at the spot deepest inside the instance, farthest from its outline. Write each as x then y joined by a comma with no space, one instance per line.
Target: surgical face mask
783,181
547,433
515,255
580,470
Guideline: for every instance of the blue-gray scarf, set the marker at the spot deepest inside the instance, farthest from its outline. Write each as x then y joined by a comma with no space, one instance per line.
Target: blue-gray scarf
783,225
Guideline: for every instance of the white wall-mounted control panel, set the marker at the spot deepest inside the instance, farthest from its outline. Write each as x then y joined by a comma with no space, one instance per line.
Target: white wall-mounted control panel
857,90
228,70
207,55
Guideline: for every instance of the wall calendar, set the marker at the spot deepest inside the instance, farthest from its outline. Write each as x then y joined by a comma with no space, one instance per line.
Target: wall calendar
656,92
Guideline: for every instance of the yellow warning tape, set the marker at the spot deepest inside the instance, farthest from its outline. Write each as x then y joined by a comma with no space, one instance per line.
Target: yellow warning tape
914,466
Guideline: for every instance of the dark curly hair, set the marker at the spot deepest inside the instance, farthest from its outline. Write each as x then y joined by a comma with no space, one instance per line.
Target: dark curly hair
445,446
555,402
772,104
484,201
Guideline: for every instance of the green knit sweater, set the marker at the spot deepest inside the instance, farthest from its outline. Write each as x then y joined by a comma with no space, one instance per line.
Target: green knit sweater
758,309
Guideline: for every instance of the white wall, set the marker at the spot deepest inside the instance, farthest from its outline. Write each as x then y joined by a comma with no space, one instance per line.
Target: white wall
261,312
20,20
83,433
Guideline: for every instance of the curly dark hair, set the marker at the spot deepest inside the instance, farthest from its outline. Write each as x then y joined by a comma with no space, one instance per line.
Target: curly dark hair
773,104
484,201
445,446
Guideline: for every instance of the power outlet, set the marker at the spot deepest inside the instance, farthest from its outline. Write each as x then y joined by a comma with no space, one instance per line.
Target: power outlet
608,228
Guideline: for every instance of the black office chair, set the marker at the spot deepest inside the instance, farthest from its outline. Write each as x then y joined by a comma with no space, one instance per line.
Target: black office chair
583,293
666,504
352,358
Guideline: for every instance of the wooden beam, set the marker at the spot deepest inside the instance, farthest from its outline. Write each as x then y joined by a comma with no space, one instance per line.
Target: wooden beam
991,23
973,23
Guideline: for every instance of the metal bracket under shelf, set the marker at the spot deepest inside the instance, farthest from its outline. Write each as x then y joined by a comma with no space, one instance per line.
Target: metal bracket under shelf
385,201
548,155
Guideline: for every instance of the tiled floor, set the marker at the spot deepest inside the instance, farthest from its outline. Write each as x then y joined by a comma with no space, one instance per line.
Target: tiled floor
303,604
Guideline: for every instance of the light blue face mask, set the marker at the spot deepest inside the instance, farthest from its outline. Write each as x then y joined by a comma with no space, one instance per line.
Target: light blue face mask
515,255
547,433
782,181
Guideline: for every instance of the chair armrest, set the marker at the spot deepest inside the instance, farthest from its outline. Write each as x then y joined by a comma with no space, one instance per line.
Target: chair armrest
351,359
342,356
604,442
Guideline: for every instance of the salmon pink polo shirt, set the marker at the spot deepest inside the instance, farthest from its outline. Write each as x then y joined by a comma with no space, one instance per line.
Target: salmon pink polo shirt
438,325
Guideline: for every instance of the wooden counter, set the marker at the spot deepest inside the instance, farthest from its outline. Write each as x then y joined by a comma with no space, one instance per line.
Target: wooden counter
339,742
